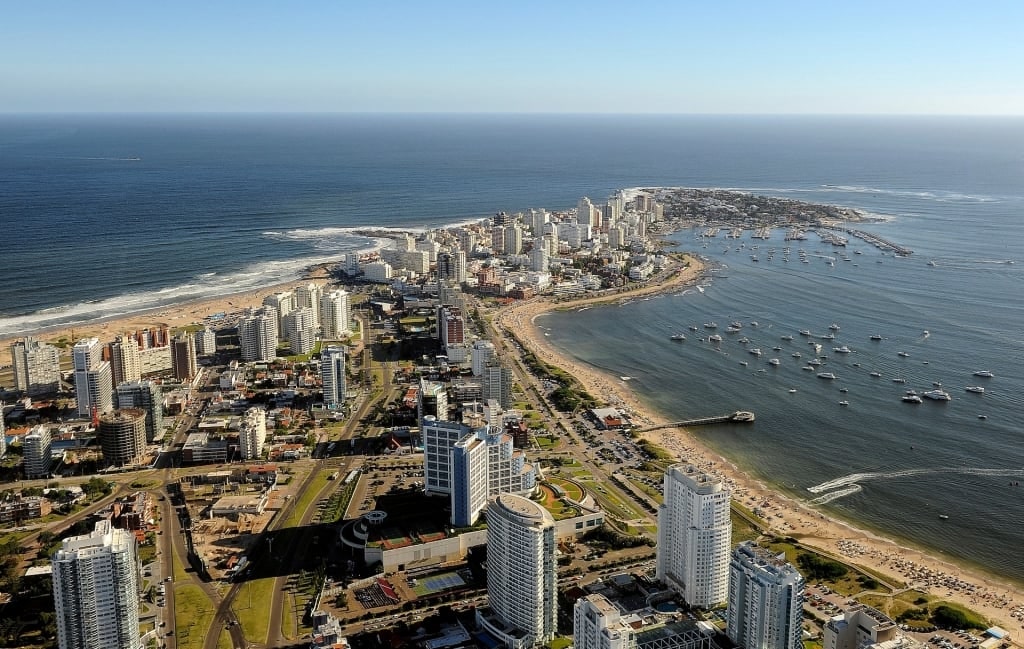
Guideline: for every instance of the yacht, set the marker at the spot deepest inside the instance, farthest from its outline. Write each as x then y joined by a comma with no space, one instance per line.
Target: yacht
787,337
911,397
844,403
693,327
876,374
814,361
776,349
773,361
984,374
899,379
841,350
736,324
744,340
937,395
875,337
805,332
827,375
834,327
753,323
678,337
975,388
809,368
795,354
756,351
731,329
902,354
715,338
743,363
829,336
844,389
711,325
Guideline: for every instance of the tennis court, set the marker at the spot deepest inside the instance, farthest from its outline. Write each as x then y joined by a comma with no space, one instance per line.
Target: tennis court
438,583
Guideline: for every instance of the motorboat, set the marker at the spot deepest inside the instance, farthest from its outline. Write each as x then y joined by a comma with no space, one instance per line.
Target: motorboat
876,374
911,397
756,351
984,374
693,327
977,389
844,389
827,375
711,325
792,390
902,354
715,338
805,332
937,395
829,336
787,337
776,348
736,324
744,340
678,337
875,337
795,354
834,327
899,379
814,361
809,368
773,361
844,403
842,350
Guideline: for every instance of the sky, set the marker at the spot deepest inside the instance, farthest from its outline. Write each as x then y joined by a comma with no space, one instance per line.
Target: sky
636,56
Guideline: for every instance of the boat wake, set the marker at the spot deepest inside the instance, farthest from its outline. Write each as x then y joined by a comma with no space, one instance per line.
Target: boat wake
851,484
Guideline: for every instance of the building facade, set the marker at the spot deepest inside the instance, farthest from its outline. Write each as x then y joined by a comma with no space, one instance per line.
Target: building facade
597,624
36,367
122,435
144,395
94,388
96,590
694,536
37,451
252,433
766,596
257,335
125,359
332,375
183,357
335,315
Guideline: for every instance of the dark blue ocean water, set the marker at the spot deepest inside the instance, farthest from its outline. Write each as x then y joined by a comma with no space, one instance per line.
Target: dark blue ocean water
105,215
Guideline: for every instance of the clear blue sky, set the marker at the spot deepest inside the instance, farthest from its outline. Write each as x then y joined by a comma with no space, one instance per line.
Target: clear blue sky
635,56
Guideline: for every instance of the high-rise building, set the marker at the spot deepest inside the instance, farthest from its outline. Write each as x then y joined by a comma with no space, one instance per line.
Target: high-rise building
335,315
125,360
122,435
765,600
521,572
36,367
586,212
513,239
694,536
36,448
183,357
597,624
252,433
93,380
859,627
432,399
482,463
539,257
332,375
496,383
206,341
283,304
439,438
482,355
309,295
3,432
300,331
452,326
146,396
257,335
96,590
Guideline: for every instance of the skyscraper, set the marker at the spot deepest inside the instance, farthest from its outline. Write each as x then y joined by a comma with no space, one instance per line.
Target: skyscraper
36,367
206,341
694,536
332,374
96,590
283,303
257,335
309,295
765,600
122,435
300,331
37,455
125,360
335,315
183,356
521,572
483,352
252,433
93,380
496,383
597,624
146,396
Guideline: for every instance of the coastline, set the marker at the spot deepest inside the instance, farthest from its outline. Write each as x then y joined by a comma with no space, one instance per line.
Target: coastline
999,600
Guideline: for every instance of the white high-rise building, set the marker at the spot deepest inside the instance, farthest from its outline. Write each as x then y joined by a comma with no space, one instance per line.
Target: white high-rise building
483,463
538,256
439,438
765,600
206,341
146,396
513,239
96,590
37,452
694,536
93,381
309,295
332,374
36,367
300,331
257,335
482,354
3,432
252,433
335,315
521,573
586,212
283,303
496,383
377,271
597,624
125,360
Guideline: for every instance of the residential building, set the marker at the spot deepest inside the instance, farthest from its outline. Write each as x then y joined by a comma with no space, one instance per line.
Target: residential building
252,433
3,432
451,326
300,330
859,627
484,462
496,383
432,399
125,360
332,374
122,436
521,573
183,357
36,367
309,295
377,271
694,536
766,596
146,396
206,341
439,437
335,315
38,456
481,355
597,624
283,303
96,590
93,379
257,335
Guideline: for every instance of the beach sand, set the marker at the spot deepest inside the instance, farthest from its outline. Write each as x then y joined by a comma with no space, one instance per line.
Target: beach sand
1002,603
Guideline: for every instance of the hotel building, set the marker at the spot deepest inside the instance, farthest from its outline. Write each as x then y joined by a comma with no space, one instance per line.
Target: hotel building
335,315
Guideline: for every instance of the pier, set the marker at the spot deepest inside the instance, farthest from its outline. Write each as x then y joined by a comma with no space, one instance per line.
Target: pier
738,417
879,242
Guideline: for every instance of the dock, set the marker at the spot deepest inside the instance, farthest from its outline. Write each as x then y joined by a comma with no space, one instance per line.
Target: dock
879,242
738,417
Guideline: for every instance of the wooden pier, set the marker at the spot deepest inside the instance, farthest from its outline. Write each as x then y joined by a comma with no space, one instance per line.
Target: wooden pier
738,417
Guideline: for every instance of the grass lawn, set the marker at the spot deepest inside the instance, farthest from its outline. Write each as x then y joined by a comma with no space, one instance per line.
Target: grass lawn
306,499
224,641
193,614
560,643
252,605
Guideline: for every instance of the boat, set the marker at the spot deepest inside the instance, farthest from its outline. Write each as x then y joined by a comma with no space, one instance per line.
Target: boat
899,379
902,354
795,354
753,323
827,375
809,368
805,332
844,403
937,395
756,351
731,329
834,327
829,336
911,397
715,338
875,337
773,361
844,389
814,361
693,327
736,324
792,390
842,350
943,517
711,325
776,348
984,374
787,337
977,389
677,337
743,363
744,340
982,416
876,374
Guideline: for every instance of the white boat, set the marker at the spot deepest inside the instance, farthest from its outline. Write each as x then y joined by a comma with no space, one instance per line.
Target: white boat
744,340
911,397
827,375
805,332
809,368
737,324
829,336
875,337
715,338
814,361
977,389
834,327
844,389
753,323
731,329
776,348
984,374
743,363
756,351
937,395
795,354
842,350
876,374
693,327
899,379
677,337
844,403
792,390
787,337
773,361
902,354
711,325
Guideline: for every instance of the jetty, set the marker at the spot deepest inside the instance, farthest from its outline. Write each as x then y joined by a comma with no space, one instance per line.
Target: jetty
738,417
879,242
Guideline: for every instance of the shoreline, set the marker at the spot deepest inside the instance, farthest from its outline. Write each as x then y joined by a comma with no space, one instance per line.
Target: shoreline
998,599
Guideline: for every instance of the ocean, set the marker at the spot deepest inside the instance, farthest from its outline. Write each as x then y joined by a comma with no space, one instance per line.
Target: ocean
108,215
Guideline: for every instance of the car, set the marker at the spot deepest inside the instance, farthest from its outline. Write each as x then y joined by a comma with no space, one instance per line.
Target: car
168,579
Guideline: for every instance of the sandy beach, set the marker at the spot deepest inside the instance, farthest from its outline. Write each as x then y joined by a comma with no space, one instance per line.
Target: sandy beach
1002,603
